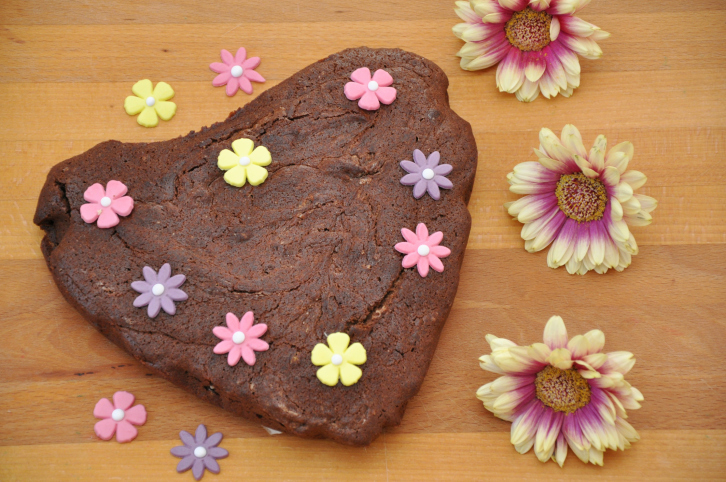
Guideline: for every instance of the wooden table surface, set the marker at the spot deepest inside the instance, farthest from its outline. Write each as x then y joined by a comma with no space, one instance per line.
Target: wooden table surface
65,69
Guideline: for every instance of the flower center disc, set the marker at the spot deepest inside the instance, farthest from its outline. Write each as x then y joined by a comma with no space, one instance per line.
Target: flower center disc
581,198
562,390
529,30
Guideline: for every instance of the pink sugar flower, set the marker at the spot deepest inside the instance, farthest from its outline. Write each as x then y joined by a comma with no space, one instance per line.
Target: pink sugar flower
370,91
236,72
422,250
118,417
240,339
106,205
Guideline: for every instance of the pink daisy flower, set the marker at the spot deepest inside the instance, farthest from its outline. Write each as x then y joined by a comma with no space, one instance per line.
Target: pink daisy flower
422,250
535,43
118,417
236,72
371,91
106,205
240,339
562,392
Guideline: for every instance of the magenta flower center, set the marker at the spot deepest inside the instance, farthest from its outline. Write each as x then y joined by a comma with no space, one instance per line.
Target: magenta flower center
562,390
529,30
581,198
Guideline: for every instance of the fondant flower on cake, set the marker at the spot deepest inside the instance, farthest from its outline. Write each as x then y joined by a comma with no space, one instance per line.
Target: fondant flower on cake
535,43
581,202
338,360
240,339
150,104
106,205
236,72
244,164
426,175
159,290
422,250
371,91
199,453
118,417
562,392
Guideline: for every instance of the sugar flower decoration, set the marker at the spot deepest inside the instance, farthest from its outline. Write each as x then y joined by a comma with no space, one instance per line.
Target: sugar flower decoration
426,175
150,105
371,91
422,250
562,392
118,417
581,202
159,290
244,164
338,360
236,72
240,339
106,205
199,453
535,43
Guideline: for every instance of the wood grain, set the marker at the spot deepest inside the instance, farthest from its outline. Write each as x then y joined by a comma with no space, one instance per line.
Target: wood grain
65,68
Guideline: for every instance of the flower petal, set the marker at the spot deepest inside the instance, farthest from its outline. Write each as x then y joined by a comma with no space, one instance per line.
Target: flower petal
248,354
105,429
167,304
534,65
423,266
382,78
181,451
362,75
232,322
134,105
422,232
232,86
386,95
123,205
143,89
251,63
163,91
224,346
410,260
166,110
257,345
245,85
349,374
510,73
435,263
148,117
256,331
338,342
219,67
409,235
321,355
125,432
107,219
355,354
261,156
103,409
420,188
227,57
198,469
227,160
328,374
555,333
410,179
369,101
212,441
253,76
154,307
354,90
256,175
90,212
136,415
237,176
240,56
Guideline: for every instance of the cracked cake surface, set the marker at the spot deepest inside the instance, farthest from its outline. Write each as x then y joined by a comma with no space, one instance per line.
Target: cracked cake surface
310,251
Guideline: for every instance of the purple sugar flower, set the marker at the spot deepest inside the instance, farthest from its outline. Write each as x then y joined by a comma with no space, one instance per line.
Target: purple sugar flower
159,291
426,174
199,453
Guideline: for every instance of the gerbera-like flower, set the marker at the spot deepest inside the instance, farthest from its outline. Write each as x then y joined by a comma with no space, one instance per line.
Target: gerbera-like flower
562,392
371,91
422,250
236,72
426,175
199,453
106,205
338,360
244,164
582,202
118,417
159,290
240,339
150,105
535,43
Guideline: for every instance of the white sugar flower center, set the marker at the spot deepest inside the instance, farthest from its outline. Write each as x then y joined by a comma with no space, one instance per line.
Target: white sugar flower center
200,452
562,390
336,360
238,338
428,174
244,161
105,201
581,198
529,30
237,71
373,86
118,415
423,250
150,101
158,289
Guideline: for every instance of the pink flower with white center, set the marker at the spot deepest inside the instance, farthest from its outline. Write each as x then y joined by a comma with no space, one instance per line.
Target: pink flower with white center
106,205
371,91
118,417
240,339
562,392
422,250
535,43
580,202
236,72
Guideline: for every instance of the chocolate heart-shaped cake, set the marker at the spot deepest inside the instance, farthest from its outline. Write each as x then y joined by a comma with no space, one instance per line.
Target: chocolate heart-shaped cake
277,263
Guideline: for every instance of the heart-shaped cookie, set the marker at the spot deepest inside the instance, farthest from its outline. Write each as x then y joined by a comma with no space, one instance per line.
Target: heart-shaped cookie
311,250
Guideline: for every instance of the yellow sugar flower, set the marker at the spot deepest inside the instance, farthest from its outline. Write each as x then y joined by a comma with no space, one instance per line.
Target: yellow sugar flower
150,103
244,164
339,361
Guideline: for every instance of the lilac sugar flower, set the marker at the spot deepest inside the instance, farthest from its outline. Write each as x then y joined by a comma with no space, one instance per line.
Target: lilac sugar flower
199,453
159,290
426,174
